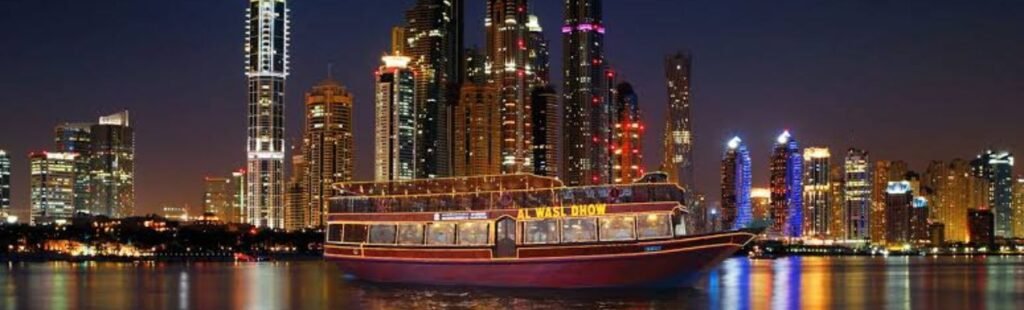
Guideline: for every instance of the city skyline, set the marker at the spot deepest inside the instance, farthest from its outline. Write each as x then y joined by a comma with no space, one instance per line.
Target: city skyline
160,171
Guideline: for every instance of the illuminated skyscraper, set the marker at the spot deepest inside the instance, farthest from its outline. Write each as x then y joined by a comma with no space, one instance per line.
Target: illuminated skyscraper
817,200
761,201
238,196
477,121
433,40
919,233
898,205
77,138
5,185
112,165
952,183
857,186
787,187
217,197
678,142
627,136
327,147
586,133
297,211
52,182
997,169
266,59
838,203
395,128
508,67
546,124
1018,207
737,210
538,55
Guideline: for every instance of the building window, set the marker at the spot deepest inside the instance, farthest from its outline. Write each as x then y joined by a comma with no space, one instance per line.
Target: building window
473,233
579,230
334,233
355,233
441,233
540,232
410,234
618,228
654,226
382,234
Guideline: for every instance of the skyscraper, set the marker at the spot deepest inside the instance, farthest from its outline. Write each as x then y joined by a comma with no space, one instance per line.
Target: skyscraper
898,205
951,183
997,169
433,41
507,59
981,227
817,193
538,54
678,142
52,182
761,201
586,132
5,185
395,128
838,202
297,211
1018,207
477,121
112,165
266,59
546,124
857,187
737,210
879,184
327,147
217,197
627,136
77,138
787,187
238,196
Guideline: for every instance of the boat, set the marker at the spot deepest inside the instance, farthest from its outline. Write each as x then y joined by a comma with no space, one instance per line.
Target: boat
521,231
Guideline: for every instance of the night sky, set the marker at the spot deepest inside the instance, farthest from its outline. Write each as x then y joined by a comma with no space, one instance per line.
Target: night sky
912,80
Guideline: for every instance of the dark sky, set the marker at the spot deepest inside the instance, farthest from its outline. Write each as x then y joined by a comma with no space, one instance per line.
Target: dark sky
913,80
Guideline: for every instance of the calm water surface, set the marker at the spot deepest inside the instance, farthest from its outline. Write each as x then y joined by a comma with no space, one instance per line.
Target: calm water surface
787,283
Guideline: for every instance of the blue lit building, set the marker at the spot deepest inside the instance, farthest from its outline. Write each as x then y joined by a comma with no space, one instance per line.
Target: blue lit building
786,186
736,182
997,169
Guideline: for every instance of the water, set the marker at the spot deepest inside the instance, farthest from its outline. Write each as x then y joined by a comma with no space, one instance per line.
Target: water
786,283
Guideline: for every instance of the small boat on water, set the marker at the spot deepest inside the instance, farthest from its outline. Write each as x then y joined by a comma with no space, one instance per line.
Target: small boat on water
521,230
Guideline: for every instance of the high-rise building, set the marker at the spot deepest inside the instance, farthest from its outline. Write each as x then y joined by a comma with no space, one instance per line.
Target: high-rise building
297,211
879,184
761,201
507,62
327,148
238,196
678,141
266,59
736,206
898,204
112,165
395,128
981,227
77,138
52,182
817,193
997,169
477,139
5,185
857,195
627,136
433,41
838,203
1018,207
546,124
217,197
585,130
787,187
538,54
919,233
475,63
952,184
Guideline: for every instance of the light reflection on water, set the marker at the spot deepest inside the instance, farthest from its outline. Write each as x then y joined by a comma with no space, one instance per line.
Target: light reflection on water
785,283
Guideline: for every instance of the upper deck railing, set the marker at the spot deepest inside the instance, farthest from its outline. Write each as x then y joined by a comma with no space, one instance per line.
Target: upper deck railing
489,193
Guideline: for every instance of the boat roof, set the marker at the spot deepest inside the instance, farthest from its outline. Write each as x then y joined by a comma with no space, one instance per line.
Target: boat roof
450,186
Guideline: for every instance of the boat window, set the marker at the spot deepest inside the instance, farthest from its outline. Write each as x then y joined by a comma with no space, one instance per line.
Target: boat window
618,228
654,226
355,233
334,233
382,234
579,230
441,233
473,233
540,232
409,234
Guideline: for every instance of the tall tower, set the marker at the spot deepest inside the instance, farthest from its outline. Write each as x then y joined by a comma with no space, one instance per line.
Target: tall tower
627,135
217,197
477,138
266,61
395,128
737,211
857,194
546,125
507,56
997,169
5,185
52,187
433,40
327,146
786,187
112,164
538,55
586,131
678,142
77,138
898,206
817,193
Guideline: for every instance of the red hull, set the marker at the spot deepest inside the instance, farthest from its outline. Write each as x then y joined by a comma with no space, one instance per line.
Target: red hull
664,263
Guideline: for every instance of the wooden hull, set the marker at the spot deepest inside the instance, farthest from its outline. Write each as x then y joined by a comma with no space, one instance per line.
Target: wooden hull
663,263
